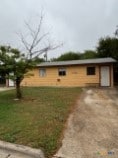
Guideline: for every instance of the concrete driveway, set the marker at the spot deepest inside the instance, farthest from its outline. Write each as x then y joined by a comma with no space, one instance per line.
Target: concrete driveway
92,129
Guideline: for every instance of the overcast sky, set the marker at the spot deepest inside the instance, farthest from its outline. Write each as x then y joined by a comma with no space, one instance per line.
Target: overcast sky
77,23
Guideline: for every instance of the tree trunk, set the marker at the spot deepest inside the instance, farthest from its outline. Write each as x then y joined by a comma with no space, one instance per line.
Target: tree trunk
18,89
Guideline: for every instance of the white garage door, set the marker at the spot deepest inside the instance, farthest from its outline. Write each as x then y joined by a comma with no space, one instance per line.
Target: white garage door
105,76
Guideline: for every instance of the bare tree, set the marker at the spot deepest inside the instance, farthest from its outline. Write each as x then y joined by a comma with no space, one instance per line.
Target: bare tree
39,42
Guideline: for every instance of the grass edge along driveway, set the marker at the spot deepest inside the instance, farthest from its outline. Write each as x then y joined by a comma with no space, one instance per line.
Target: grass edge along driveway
38,119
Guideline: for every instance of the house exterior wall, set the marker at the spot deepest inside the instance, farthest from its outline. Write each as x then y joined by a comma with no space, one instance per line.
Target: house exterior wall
75,76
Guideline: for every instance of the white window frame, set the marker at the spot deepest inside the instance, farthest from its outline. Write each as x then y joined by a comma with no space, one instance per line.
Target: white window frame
63,71
42,72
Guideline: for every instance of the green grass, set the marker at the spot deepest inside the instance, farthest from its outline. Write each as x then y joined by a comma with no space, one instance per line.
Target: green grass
38,119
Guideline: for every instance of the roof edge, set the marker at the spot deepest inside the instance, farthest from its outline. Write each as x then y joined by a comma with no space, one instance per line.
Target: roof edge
77,62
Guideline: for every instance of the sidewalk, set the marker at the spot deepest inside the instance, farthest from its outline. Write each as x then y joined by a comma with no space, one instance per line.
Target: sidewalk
6,88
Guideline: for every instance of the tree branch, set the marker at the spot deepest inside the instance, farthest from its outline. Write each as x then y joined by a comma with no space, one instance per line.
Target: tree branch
36,39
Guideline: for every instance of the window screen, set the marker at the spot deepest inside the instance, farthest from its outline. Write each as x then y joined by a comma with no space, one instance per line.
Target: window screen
90,70
62,72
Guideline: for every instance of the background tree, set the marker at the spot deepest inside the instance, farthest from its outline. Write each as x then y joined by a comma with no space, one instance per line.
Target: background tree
15,65
108,47
89,54
39,60
67,56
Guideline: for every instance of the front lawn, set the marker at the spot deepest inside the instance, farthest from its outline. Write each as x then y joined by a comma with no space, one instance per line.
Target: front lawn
38,119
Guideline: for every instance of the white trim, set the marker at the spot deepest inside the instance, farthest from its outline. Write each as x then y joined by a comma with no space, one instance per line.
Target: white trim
105,76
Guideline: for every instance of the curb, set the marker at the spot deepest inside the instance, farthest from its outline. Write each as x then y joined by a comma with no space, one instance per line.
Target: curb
20,149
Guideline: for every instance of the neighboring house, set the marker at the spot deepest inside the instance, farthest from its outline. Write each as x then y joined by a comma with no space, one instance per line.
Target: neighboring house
6,82
90,72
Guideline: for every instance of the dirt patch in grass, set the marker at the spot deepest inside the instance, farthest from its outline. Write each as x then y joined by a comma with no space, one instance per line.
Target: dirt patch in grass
39,118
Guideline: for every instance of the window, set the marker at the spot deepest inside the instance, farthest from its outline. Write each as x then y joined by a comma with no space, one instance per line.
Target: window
42,72
62,72
90,70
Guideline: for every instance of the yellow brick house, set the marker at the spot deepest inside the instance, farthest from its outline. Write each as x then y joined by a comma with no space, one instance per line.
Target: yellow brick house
89,72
